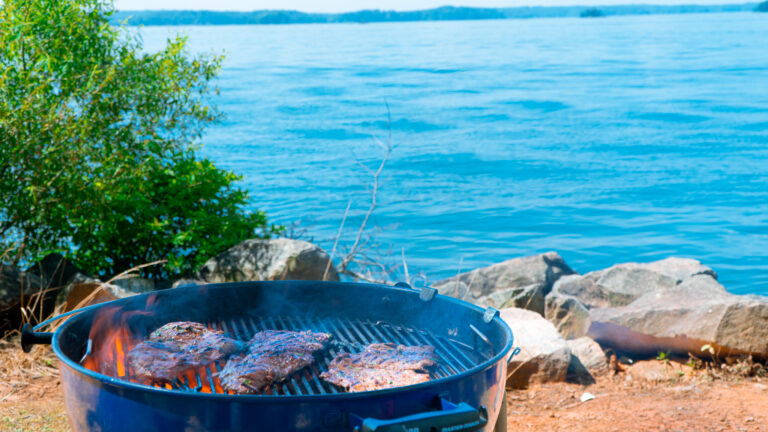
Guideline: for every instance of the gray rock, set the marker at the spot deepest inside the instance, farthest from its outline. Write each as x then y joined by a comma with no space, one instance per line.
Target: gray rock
185,282
529,297
680,320
589,354
519,281
274,259
617,286
544,356
680,268
54,270
654,371
14,283
578,373
569,316
622,284
573,295
84,291
135,285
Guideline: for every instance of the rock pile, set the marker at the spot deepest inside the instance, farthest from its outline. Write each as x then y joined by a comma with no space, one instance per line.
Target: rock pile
520,282
674,306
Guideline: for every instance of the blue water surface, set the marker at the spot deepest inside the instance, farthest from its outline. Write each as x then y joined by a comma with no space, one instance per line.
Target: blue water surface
608,140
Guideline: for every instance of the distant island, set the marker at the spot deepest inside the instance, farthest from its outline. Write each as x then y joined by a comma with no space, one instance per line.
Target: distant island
446,13
762,7
592,13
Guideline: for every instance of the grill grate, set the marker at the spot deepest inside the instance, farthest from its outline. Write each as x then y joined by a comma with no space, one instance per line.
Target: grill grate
454,357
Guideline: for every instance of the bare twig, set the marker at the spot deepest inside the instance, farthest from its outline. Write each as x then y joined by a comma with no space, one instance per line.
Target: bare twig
458,279
469,287
356,253
405,267
336,241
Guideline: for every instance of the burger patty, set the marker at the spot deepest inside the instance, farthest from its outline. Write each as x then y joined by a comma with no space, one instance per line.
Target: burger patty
177,347
273,355
380,366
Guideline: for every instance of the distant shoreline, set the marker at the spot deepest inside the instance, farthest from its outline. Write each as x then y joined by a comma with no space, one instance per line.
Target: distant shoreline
446,13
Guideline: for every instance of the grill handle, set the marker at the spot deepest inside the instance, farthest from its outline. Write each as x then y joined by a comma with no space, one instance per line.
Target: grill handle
30,337
512,353
451,417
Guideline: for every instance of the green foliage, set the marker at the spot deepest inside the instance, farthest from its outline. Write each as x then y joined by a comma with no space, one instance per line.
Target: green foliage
96,154
185,211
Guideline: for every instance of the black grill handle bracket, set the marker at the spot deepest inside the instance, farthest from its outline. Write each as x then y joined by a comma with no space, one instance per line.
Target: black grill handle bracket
451,417
30,338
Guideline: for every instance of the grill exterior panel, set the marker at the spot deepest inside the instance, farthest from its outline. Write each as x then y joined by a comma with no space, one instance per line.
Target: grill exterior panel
107,405
473,352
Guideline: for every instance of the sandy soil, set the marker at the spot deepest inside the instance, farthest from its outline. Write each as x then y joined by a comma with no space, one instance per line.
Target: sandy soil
31,400
633,405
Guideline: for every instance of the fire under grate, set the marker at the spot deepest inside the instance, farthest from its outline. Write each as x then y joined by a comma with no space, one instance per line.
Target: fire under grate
350,335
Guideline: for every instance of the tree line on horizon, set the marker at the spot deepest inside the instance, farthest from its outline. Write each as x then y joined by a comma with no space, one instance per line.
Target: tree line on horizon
446,13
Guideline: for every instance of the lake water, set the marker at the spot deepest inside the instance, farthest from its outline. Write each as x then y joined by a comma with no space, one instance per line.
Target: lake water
608,140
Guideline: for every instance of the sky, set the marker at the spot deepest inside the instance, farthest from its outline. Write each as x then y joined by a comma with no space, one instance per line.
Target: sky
354,5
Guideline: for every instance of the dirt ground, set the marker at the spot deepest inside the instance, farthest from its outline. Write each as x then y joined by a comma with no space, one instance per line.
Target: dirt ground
31,400
622,404
30,390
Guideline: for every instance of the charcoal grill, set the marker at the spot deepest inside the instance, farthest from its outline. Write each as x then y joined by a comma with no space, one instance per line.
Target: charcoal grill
465,394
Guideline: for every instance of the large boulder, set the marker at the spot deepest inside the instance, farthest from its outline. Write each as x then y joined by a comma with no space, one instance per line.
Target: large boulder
530,297
186,282
520,282
273,259
573,295
680,268
622,284
569,316
84,290
54,270
682,319
15,285
544,356
135,285
590,354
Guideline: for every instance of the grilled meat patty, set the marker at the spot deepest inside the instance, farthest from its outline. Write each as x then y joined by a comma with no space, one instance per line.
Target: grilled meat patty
381,365
177,347
272,356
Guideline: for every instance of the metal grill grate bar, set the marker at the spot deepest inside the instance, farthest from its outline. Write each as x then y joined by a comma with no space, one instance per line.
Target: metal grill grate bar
353,335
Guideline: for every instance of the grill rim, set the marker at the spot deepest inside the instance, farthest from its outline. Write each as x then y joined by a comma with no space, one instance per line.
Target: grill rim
124,384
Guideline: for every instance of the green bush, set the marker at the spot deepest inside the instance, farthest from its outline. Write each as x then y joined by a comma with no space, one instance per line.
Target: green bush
97,145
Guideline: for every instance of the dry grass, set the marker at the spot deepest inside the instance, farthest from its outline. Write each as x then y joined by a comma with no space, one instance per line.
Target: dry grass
21,371
30,389
43,415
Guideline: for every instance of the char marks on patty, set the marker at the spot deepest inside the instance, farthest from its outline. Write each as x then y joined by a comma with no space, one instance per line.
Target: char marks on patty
273,356
177,347
380,366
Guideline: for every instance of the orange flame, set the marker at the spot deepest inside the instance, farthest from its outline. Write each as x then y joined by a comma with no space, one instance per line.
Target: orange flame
112,339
